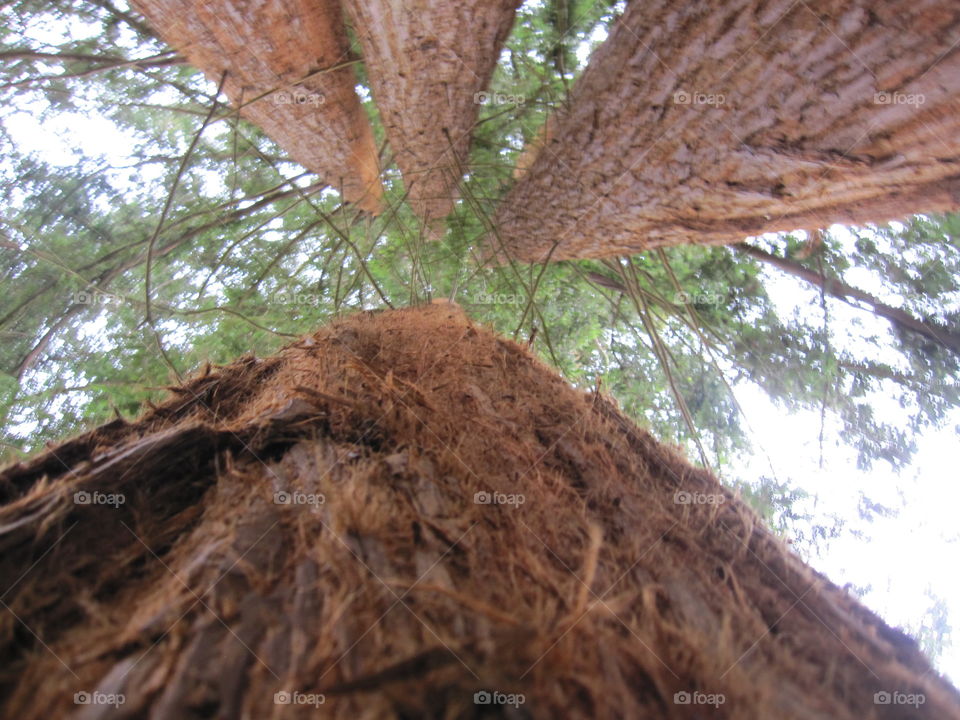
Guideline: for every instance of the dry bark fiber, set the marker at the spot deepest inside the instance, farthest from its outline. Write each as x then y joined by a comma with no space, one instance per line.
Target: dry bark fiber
314,524
287,64
706,122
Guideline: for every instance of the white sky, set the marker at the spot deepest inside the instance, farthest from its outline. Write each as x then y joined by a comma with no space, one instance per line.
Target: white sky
902,556
899,557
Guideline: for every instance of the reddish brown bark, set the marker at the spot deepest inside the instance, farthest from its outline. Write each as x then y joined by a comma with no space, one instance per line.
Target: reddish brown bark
427,62
287,64
703,122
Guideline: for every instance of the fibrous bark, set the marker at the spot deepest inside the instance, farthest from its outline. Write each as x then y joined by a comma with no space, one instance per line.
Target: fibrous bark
394,516
705,122
428,63
288,69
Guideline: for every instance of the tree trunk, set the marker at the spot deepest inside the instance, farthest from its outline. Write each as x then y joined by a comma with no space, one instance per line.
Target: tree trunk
708,122
428,63
407,516
288,70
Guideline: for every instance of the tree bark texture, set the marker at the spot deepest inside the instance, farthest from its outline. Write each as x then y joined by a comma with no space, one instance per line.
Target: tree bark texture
288,69
406,516
428,63
706,122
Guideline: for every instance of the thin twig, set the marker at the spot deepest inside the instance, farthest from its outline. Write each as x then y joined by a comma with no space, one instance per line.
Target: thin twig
163,216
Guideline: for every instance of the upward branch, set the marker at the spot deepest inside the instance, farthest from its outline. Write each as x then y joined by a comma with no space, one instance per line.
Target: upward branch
164,58
851,295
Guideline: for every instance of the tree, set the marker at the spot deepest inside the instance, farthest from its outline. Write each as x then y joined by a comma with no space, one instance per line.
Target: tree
287,67
706,123
429,65
405,515
252,251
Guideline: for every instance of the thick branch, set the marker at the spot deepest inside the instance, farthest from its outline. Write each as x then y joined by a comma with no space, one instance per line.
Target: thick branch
848,294
164,58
